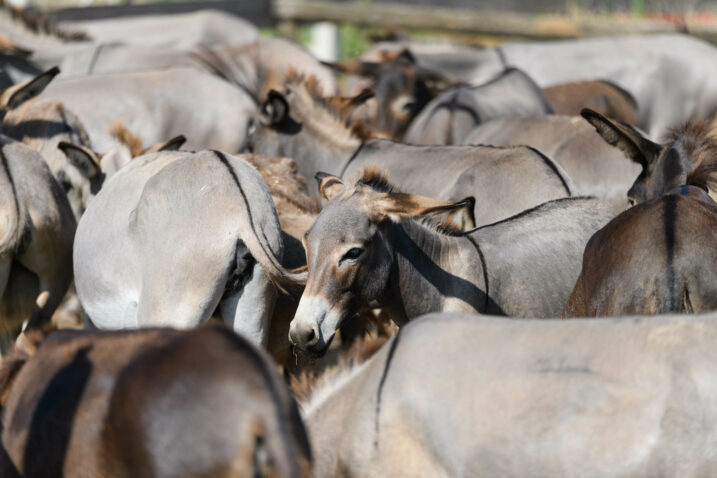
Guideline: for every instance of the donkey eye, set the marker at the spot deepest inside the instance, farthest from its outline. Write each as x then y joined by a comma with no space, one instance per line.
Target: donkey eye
409,106
352,254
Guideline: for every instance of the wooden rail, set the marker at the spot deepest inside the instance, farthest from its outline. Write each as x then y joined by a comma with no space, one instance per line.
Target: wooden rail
500,24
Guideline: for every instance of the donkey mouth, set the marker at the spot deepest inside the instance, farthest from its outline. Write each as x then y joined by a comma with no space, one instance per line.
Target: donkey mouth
319,350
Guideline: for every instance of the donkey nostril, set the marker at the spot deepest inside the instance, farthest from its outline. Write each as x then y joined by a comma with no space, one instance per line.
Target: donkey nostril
310,336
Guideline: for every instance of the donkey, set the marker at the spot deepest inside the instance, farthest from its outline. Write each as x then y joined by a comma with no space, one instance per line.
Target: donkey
158,105
302,125
412,255
401,88
36,232
657,257
179,31
596,168
130,270
452,115
58,134
149,403
463,395
688,155
667,74
605,97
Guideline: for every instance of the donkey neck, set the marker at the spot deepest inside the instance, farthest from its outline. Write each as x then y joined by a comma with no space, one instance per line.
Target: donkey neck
434,272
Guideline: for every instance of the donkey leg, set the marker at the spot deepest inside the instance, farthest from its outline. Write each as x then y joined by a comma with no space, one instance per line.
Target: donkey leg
248,311
52,290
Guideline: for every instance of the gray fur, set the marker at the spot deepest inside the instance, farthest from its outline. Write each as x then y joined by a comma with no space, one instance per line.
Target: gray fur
159,105
453,114
524,266
36,235
478,396
597,168
160,245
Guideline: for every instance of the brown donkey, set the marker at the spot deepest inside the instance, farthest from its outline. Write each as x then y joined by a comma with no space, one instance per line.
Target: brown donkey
657,257
688,155
149,403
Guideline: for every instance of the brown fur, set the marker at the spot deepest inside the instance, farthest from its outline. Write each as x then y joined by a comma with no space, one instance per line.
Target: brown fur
377,179
602,96
24,348
303,385
700,147
133,142
287,188
336,108
444,221
36,118
97,388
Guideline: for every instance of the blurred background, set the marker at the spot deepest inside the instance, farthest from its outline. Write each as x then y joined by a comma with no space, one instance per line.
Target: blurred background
345,28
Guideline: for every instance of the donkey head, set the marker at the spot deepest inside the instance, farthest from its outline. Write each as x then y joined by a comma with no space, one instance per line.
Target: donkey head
688,156
350,251
295,121
402,88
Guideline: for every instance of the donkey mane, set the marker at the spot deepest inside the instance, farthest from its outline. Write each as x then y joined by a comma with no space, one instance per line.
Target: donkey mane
134,143
377,180
328,110
41,23
284,183
700,147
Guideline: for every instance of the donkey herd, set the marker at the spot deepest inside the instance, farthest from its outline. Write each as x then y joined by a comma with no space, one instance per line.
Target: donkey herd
432,260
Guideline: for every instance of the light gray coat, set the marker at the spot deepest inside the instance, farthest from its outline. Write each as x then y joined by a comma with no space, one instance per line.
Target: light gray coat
173,236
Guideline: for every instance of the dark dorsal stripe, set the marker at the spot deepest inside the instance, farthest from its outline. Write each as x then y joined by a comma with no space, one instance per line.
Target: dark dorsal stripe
351,158
551,164
670,216
485,273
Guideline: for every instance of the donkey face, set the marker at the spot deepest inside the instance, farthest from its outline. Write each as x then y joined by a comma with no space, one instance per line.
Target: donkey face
350,253
401,87
688,156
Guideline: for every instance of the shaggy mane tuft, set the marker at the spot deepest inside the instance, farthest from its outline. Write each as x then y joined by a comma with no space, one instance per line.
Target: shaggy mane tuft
376,179
700,147
333,106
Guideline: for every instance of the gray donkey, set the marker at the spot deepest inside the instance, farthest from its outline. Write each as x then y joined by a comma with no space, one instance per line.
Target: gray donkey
36,231
174,236
466,396
410,255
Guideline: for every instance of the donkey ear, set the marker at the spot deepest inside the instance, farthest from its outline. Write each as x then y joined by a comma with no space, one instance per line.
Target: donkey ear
329,185
275,108
16,95
629,140
449,216
365,95
405,56
84,159
171,145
